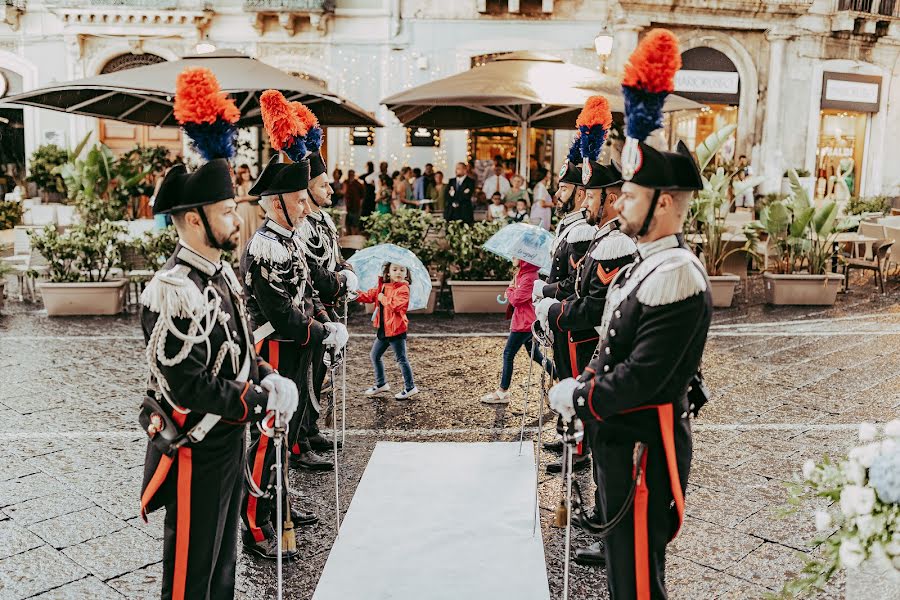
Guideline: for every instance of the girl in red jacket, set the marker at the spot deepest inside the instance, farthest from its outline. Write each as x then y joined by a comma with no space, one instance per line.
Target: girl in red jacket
391,299
519,296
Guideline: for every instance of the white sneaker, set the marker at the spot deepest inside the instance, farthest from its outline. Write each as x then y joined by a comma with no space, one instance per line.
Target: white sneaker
406,395
498,397
377,390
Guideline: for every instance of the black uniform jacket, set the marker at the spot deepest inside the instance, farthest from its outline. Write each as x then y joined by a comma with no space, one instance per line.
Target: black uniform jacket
188,282
573,237
281,289
635,388
319,242
581,313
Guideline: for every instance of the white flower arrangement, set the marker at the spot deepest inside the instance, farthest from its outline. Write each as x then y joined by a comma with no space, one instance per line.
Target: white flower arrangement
864,491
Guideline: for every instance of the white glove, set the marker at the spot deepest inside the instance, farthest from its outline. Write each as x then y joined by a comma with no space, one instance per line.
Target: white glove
351,281
337,336
542,310
561,398
283,395
537,291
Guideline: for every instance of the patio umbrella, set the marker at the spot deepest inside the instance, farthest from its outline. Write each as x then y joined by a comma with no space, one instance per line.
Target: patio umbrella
523,89
145,95
368,265
523,241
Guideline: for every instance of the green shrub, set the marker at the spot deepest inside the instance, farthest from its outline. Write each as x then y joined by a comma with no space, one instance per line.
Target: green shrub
86,252
466,258
10,214
42,164
870,204
415,230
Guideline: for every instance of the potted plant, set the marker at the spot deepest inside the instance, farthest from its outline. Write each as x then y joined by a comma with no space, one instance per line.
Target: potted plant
10,214
414,230
860,531
807,181
707,219
137,170
478,279
42,164
81,261
803,238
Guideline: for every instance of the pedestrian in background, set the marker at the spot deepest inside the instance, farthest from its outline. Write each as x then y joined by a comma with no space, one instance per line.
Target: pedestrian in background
437,192
354,192
337,199
515,193
496,182
542,203
370,180
385,188
496,209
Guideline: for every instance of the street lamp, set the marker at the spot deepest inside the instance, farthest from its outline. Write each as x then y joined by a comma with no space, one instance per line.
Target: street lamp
603,45
204,46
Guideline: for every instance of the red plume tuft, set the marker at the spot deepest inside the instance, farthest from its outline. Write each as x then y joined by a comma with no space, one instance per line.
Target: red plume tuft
198,98
281,123
595,112
306,116
653,64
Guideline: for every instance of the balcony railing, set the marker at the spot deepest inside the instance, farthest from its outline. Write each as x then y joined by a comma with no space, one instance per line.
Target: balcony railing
886,8
148,4
312,6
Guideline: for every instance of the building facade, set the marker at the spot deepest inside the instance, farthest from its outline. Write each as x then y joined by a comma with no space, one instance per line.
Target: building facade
810,84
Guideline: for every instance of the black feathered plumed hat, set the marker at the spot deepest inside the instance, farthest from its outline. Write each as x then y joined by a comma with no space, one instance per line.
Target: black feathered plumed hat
600,176
671,171
281,178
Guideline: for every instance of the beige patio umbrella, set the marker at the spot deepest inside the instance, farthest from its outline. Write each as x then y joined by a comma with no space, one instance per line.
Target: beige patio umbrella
145,95
523,89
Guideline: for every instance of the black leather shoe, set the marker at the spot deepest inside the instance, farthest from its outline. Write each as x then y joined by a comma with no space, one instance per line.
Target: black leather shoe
556,446
303,519
592,556
268,547
594,521
581,462
310,461
321,443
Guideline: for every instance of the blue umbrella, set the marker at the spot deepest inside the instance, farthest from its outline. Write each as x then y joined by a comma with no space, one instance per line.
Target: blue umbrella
525,242
368,264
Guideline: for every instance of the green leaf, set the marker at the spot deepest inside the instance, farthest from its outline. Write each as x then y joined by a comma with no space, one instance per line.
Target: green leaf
712,144
77,151
797,189
823,221
748,184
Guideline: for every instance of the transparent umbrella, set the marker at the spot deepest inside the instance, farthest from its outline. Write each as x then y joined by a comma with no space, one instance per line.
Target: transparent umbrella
525,242
368,264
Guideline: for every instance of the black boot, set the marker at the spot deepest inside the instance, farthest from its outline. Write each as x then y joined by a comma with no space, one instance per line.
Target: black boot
581,462
267,548
556,446
592,556
311,461
321,443
303,519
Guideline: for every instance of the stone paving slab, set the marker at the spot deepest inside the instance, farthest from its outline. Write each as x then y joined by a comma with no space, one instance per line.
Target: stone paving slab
89,587
47,507
139,583
76,527
36,571
115,554
15,539
707,544
769,565
26,488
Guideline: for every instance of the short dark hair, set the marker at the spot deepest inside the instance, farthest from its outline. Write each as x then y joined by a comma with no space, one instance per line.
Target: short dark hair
417,172
441,173
339,172
244,166
429,165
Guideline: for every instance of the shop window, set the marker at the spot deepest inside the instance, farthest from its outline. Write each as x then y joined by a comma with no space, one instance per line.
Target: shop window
840,153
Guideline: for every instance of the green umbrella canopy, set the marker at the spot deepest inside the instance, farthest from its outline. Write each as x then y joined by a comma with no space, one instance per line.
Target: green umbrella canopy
520,87
145,95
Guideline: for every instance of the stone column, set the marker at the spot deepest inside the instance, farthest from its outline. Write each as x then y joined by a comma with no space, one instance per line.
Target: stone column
625,40
771,153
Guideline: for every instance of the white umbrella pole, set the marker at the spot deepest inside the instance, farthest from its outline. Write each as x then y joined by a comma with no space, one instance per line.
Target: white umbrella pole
524,163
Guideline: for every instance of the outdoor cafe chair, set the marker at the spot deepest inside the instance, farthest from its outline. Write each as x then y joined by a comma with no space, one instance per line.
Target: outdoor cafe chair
34,265
881,251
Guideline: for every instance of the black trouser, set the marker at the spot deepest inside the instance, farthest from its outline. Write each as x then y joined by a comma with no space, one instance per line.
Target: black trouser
636,548
258,512
201,524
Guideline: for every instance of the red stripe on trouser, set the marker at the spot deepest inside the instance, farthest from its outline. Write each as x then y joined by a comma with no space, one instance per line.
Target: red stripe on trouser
641,543
159,476
259,461
666,428
273,354
183,525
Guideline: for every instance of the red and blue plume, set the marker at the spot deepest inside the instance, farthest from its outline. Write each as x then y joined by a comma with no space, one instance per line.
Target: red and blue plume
575,151
313,136
649,78
286,130
206,113
593,125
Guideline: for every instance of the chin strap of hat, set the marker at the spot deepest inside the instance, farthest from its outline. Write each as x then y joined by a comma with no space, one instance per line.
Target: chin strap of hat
646,226
284,209
569,204
213,242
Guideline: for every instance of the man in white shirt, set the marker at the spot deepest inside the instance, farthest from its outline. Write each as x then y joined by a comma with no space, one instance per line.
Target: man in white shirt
496,182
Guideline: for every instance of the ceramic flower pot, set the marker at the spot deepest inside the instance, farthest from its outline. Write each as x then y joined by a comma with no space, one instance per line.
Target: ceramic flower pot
802,289
84,298
478,296
722,288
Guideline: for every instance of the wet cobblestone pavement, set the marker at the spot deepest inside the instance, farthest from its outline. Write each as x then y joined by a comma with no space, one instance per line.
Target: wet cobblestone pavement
788,384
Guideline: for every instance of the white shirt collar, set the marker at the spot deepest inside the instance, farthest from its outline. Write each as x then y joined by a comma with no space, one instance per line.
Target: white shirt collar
197,260
282,231
664,243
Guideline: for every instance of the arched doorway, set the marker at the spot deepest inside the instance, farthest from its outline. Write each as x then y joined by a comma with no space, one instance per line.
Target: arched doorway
122,137
12,134
708,76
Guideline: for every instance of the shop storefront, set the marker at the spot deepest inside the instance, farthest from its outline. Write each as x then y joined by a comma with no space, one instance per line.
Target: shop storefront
706,76
845,119
484,145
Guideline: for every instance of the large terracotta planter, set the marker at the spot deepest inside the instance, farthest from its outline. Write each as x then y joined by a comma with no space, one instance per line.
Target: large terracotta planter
722,288
798,288
478,296
86,298
432,300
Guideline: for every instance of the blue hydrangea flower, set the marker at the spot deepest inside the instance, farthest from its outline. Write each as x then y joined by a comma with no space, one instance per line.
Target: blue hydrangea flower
884,476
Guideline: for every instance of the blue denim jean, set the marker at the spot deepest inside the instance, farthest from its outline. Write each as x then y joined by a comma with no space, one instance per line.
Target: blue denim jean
515,341
399,347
